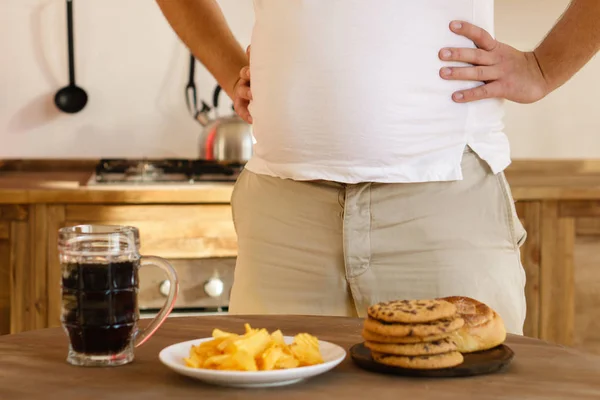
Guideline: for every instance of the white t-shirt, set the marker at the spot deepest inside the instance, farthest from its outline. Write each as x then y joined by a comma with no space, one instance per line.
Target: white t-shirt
349,91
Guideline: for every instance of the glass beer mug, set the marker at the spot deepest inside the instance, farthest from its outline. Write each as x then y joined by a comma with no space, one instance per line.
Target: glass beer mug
99,293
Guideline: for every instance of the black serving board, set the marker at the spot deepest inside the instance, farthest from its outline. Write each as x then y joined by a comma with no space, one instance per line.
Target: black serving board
480,363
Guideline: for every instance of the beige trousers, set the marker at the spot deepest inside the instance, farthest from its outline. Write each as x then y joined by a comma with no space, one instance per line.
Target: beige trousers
333,249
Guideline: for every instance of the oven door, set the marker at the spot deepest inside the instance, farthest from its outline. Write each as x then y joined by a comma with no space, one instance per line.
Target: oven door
199,240
204,287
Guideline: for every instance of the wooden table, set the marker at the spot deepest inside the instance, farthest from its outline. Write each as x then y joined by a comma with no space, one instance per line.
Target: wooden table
32,366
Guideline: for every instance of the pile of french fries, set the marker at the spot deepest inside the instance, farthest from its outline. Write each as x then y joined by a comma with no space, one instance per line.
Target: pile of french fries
256,350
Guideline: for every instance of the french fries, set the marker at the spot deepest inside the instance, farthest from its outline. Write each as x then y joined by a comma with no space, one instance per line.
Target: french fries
256,350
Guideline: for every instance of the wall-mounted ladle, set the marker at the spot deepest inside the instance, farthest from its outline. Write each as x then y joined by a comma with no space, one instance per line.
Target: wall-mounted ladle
72,98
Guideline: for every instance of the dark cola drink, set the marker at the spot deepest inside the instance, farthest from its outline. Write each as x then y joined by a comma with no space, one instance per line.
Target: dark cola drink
100,308
99,285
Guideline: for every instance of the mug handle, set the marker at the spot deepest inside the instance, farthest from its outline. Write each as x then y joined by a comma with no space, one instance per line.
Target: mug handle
144,335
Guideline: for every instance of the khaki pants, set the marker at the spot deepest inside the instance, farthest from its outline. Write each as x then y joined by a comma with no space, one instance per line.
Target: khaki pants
333,249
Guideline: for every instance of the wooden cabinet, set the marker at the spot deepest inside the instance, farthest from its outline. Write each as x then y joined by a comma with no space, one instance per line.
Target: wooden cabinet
5,252
580,249
14,256
562,261
22,268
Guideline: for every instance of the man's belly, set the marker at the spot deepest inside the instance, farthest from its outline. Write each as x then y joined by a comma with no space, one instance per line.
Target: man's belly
341,81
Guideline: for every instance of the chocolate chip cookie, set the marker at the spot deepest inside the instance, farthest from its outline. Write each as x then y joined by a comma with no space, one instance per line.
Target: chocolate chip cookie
439,327
412,311
438,361
415,349
374,337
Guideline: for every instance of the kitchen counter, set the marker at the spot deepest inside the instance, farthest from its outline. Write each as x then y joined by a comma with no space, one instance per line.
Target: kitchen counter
18,187
530,180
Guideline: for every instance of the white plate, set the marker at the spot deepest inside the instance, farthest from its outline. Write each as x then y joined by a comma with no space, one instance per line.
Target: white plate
173,356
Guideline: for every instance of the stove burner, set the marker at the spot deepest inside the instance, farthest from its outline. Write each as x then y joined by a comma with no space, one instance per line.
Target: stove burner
163,171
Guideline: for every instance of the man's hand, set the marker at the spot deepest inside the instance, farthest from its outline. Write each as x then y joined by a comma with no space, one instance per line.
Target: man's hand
242,93
505,71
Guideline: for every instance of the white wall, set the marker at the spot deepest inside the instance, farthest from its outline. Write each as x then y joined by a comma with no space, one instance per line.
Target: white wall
135,70
129,61
565,124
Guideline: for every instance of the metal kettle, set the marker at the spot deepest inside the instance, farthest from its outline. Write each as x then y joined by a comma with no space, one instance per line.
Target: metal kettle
227,139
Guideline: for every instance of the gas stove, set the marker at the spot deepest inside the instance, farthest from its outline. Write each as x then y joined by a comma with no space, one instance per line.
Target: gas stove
165,171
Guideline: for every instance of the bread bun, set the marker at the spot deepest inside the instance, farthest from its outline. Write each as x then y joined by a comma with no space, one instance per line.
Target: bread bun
483,329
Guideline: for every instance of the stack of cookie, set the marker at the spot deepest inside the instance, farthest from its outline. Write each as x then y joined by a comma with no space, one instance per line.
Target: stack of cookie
414,334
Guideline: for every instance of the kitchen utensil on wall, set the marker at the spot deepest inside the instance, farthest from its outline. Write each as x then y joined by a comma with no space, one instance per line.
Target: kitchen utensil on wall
72,98
191,96
225,139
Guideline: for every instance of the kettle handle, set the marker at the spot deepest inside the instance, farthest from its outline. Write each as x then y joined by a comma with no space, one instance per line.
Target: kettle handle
216,95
